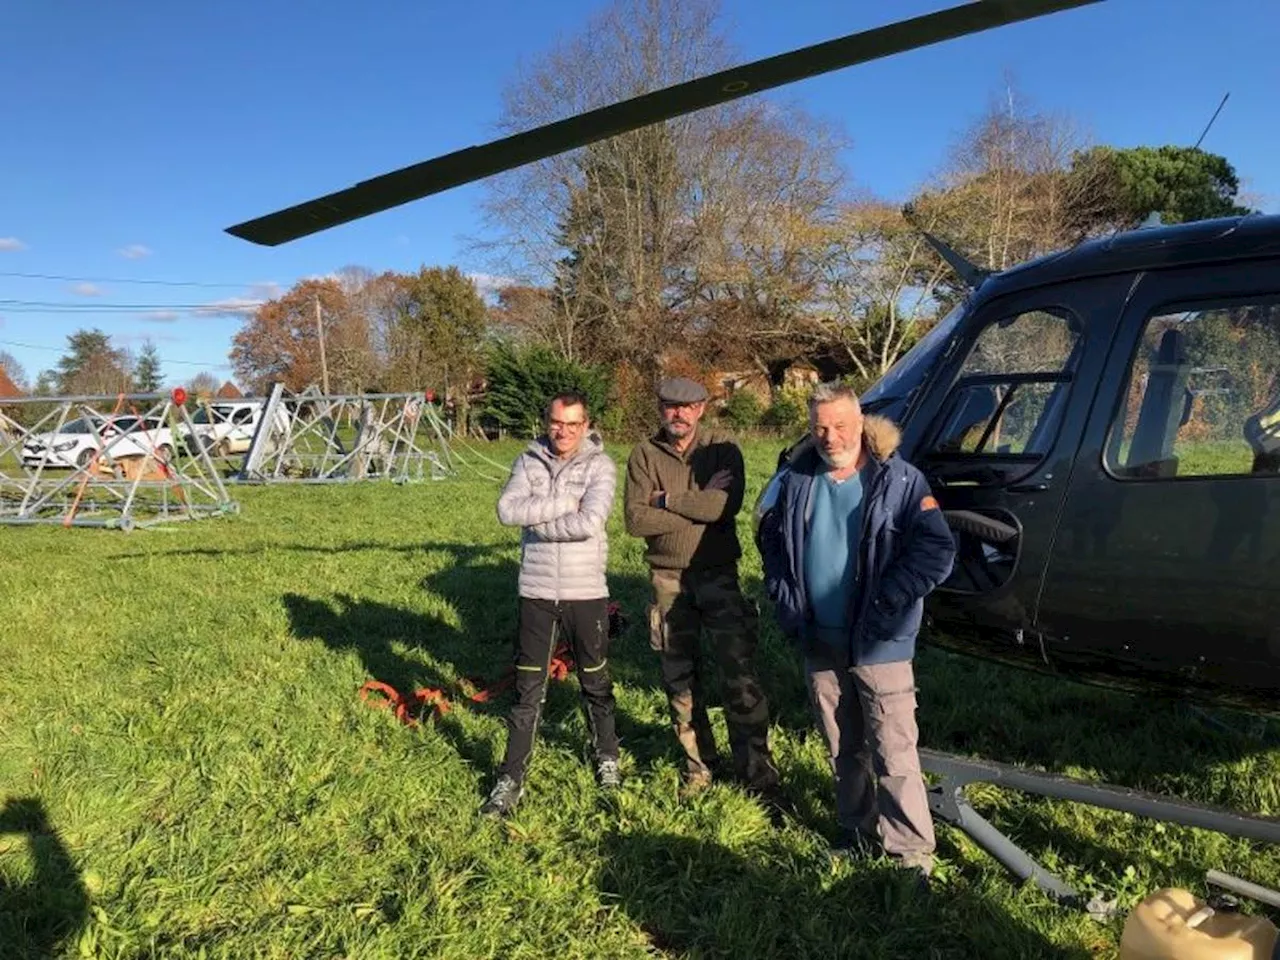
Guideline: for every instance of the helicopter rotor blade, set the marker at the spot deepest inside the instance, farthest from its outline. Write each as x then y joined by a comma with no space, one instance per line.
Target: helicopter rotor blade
475,163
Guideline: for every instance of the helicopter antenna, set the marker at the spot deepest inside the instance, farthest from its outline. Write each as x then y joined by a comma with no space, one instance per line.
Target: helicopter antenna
970,273
1211,119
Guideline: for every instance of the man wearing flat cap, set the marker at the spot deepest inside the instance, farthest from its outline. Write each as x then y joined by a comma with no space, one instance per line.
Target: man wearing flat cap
684,488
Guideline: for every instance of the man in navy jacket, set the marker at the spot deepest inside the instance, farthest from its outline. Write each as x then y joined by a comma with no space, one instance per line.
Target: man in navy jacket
851,546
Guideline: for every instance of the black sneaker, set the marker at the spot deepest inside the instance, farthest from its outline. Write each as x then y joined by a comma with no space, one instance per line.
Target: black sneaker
774,801
503,798
608,773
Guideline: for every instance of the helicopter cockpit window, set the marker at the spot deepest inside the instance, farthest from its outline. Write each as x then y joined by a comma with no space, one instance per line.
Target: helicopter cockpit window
1011,391
1203,395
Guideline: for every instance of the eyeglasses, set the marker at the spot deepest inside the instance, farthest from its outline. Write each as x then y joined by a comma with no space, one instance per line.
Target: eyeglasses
567,424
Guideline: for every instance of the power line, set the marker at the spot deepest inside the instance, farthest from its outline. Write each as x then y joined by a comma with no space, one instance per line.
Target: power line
232,305
184,363
159,283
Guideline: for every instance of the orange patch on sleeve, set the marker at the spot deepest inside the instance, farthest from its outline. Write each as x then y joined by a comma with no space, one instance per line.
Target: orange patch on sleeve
928,503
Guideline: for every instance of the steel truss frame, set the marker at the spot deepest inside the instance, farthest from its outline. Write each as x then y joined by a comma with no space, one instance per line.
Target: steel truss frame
948,802
310,437
123,480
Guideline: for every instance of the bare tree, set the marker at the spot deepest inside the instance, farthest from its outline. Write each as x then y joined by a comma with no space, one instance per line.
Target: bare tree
203,384
1008,192
651,239
880,281
767,186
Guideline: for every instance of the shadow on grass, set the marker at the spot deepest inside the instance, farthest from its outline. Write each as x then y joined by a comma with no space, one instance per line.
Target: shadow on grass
408,650
700,899
38,918
1051,722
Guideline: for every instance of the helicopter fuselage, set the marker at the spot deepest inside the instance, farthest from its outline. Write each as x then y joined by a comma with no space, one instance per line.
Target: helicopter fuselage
1097,424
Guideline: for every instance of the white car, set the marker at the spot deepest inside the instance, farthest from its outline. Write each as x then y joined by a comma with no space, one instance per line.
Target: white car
227,427
75,445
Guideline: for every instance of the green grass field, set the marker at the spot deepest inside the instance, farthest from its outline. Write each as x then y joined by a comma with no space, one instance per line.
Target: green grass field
186,769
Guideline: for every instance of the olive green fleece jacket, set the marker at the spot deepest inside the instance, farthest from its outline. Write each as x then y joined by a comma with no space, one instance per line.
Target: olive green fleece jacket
697,528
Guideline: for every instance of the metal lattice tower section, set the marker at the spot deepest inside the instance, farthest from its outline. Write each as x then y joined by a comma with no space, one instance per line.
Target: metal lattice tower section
119,461
310,437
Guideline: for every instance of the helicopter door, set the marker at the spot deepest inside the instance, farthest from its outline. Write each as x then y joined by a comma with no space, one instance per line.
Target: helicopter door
1167,561
995,439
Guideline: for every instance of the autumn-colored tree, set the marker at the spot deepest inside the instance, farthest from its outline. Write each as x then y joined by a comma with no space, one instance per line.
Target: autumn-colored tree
1009,193
13,370
526,314
281,341
768,200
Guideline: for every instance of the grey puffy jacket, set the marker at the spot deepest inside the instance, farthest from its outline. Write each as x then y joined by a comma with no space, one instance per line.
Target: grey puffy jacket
563,506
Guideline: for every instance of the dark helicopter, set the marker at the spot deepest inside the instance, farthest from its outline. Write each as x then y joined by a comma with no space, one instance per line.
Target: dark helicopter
1101,426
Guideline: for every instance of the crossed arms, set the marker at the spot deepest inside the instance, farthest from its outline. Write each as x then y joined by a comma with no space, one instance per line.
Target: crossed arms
719,500
559,517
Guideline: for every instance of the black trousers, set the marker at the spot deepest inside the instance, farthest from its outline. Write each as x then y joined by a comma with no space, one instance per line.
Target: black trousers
543,623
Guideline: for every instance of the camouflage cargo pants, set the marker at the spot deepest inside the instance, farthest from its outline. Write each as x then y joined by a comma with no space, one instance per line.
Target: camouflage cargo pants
685,601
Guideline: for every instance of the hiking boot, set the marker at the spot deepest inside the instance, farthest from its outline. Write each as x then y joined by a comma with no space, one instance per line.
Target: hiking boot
918,866
922,862
503,798
608,773
695,783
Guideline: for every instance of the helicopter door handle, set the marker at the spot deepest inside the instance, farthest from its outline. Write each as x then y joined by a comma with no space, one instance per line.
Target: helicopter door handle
1028,488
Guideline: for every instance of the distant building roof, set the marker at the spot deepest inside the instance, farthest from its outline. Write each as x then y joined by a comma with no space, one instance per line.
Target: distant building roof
229,391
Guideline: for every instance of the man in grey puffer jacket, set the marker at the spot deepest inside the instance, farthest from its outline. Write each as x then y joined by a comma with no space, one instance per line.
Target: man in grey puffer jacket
560,491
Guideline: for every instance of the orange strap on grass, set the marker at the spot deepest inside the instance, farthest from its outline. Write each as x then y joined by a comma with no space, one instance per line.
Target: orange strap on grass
403,705
559,667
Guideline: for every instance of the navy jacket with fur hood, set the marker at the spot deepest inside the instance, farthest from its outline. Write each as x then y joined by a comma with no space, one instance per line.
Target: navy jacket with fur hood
905,550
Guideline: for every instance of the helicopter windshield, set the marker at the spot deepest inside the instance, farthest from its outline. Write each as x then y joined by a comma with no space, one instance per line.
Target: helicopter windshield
893,393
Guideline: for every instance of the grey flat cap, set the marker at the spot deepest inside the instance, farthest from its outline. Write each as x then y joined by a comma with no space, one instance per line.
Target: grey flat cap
681,390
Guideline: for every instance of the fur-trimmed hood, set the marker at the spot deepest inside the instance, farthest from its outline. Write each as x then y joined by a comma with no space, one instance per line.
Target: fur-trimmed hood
881,436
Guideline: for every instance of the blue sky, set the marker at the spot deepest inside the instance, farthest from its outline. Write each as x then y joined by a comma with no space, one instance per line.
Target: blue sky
133,134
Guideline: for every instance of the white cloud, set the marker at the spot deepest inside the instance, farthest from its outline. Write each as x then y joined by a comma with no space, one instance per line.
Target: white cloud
87,290
161,316
241,308
266,291
135,251
11,244
488,284
238,307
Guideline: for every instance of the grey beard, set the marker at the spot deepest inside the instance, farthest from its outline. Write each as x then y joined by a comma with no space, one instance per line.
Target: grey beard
837,460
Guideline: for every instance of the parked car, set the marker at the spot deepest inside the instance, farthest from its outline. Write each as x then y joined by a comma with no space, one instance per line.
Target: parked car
76,445
227,427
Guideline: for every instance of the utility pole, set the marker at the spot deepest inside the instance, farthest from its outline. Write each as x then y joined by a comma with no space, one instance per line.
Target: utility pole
324,368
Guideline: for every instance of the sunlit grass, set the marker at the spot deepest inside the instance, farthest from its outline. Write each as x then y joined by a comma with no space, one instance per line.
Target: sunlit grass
180,707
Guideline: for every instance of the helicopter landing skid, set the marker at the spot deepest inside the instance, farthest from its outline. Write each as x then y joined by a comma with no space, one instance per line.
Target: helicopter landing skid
948,802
